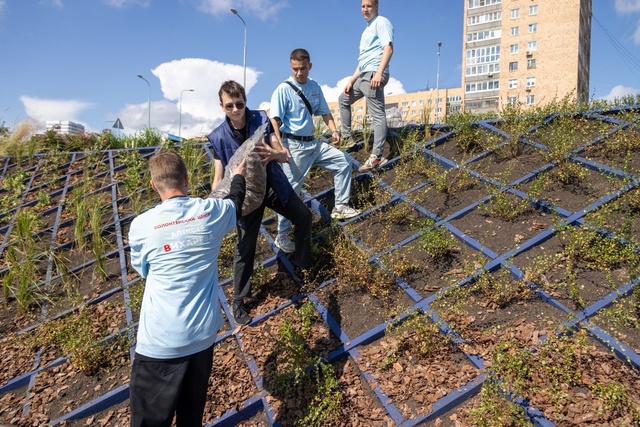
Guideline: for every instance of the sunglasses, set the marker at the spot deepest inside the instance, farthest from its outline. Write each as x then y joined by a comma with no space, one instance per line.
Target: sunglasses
238,105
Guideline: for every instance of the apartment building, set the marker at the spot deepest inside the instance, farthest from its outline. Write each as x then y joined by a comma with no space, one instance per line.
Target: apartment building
428,106
513,51
529,51
64,126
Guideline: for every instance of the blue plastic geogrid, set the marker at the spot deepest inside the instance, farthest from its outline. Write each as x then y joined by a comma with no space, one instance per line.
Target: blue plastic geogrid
350,345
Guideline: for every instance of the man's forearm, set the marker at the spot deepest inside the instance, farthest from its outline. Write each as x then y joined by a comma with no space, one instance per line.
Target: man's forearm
237,191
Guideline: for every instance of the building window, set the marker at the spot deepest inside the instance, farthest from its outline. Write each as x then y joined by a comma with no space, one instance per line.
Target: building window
515,13
413,103
531,63
513,66
483,55
479,3
531,46
513,48
531,99
513,100
405,104
487,17
421,102
531,81
513,83
533,10
482,86
359,108
404,114
475,70
515,31
494,33
533,28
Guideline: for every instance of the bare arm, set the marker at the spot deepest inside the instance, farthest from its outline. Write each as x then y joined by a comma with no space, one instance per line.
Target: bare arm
376,80
218,173
331,124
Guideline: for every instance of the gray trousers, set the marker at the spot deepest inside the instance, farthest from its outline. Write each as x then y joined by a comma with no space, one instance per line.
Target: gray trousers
375,108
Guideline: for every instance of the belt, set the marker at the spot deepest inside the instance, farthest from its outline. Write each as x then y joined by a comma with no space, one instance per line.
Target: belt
297,137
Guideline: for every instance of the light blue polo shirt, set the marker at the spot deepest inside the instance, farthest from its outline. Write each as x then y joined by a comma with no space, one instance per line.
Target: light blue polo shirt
377,35
287,104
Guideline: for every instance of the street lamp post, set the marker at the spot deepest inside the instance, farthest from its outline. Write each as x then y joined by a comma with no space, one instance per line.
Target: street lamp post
148,101
180,121
438,82
244,60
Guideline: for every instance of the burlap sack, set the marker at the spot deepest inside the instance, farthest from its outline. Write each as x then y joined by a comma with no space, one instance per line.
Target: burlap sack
255,176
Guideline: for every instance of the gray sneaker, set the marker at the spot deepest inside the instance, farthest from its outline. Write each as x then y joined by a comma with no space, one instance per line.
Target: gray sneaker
240,314
284,243
341,212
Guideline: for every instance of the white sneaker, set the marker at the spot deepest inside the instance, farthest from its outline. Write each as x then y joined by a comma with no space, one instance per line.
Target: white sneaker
344,212
373,162
284,243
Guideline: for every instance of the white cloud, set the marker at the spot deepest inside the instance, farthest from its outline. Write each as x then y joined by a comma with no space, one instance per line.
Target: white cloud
331,94
263,9
620,91
200,109
126,3
627,6
3,5
53,109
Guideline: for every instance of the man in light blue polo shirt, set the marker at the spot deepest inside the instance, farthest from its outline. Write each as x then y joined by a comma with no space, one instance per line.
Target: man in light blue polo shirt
293,105
369,79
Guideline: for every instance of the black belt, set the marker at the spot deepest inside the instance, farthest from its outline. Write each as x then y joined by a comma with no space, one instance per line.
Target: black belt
297,137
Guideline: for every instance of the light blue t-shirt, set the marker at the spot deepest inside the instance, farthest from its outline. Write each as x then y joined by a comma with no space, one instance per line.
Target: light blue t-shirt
377,35
175,247
287,104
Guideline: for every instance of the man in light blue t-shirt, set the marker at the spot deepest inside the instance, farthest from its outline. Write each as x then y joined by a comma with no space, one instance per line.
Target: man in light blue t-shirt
369,79
175,247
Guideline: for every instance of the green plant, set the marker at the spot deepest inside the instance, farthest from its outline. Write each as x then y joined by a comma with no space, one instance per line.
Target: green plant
355,272
194,157
437,242
82,336
452,181
44,199
300,374
615,401
505,205
499,289
26,222
98,243
416,336
495,410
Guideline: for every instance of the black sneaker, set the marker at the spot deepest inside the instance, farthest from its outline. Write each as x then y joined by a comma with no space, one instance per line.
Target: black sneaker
298,274
240,314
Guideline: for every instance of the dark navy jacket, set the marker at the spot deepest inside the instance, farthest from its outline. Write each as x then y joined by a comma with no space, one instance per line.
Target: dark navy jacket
225,144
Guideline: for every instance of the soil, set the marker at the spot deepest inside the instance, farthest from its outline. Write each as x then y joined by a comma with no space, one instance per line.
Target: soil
492,319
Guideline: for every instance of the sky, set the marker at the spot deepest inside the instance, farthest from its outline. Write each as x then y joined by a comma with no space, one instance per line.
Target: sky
78,60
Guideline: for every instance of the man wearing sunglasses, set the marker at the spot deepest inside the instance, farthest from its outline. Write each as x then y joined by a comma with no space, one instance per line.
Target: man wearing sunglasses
293,105
239,125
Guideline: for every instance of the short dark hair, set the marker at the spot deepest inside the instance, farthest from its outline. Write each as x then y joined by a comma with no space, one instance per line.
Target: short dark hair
300,55
168,170
233,89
